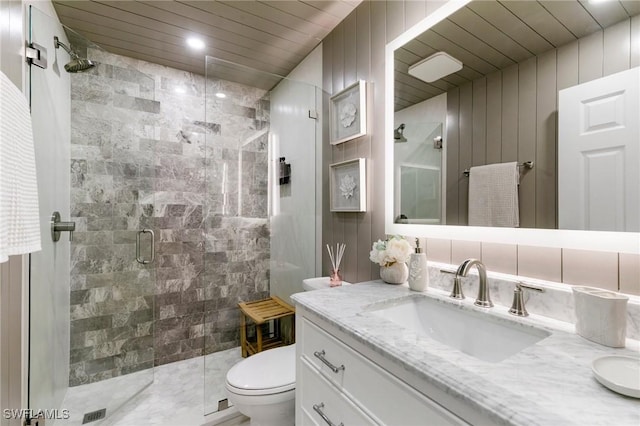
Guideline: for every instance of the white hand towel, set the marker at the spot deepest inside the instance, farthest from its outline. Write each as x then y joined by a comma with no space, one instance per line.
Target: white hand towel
19,221
493,195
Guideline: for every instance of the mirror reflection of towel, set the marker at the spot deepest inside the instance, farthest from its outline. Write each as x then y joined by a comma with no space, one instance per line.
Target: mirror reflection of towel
493,195
19,217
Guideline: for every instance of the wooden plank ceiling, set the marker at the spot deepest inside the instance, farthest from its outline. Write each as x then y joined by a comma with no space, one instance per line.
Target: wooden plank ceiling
491,35
271,36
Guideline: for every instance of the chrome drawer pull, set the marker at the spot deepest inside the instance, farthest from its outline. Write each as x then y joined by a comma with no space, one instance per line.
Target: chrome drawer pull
320,356
318,409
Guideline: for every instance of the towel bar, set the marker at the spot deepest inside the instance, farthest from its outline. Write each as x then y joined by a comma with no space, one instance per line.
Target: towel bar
526,165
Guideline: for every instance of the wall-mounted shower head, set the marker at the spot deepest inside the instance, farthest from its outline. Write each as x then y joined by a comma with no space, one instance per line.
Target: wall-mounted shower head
77,64
398,136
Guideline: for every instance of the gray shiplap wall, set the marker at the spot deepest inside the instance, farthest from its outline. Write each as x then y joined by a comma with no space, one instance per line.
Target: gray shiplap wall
511,115
13,351
353,51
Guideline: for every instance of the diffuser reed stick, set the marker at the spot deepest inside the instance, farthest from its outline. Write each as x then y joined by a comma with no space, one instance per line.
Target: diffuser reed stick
336,258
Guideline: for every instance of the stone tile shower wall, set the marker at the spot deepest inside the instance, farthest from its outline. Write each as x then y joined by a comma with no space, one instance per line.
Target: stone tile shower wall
140,144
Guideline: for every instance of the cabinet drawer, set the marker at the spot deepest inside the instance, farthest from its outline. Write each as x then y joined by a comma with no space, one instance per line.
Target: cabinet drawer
317,345
318,395
385,398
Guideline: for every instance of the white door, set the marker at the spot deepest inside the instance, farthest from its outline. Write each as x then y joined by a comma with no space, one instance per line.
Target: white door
598,154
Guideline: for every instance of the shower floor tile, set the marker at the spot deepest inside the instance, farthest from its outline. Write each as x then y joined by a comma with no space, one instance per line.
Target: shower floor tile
175,398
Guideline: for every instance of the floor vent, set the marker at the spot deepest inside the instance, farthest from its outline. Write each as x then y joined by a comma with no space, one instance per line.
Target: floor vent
223,404
94,415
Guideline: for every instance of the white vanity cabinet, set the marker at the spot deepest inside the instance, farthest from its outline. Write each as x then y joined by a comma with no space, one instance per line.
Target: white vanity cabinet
335,381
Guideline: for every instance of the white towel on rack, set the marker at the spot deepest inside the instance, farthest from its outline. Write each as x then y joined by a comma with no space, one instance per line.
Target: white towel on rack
493,195
19,217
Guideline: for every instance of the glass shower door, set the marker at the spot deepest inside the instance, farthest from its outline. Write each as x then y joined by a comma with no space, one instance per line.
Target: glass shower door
260,237
50,268
92,302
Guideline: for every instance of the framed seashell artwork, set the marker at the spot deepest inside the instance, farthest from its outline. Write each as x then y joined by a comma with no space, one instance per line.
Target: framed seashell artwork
347,181
348,113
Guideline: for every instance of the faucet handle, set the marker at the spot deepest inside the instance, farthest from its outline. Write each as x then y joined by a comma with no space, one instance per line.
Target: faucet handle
517,307
456,291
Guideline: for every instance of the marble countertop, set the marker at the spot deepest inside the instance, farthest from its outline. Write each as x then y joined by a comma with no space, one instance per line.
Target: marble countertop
549,383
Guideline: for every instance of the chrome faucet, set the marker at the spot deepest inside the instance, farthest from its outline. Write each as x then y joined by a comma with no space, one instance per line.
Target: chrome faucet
483,298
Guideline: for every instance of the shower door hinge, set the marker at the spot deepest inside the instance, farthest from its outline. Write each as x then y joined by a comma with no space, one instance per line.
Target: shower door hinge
313,114
34,421
223,404
36,55
437,142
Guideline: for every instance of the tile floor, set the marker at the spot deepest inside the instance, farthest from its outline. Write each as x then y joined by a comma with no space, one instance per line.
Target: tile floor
175,398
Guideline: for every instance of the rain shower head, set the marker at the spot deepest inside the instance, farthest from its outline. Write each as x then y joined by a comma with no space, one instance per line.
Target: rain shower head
77,64
398,136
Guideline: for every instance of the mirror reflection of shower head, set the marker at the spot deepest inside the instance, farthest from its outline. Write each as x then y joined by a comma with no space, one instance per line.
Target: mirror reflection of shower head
398,136
77,64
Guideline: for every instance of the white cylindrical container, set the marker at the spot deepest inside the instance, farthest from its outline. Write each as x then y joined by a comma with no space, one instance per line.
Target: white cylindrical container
601,316
418,272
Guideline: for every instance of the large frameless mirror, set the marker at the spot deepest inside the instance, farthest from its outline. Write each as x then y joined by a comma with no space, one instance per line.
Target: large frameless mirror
517,89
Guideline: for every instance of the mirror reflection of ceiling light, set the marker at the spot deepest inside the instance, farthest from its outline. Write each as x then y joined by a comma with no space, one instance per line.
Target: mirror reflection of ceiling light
435,67
195,43
220,95
180,90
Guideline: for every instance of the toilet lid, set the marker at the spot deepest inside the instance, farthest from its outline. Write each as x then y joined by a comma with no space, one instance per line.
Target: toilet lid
273,370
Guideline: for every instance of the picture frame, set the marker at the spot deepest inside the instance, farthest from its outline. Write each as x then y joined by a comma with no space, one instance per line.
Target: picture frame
348,186
348,113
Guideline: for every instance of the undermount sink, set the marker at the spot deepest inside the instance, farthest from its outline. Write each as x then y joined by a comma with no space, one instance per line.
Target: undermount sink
474,333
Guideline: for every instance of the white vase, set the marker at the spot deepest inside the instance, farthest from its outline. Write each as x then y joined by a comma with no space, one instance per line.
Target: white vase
398,273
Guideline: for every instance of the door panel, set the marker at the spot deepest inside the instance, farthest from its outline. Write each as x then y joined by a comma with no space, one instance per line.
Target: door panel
598,154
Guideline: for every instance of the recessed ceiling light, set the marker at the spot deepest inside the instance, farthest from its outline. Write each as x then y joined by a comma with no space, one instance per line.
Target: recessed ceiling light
597,1
435,67
195,43
180,90
220,95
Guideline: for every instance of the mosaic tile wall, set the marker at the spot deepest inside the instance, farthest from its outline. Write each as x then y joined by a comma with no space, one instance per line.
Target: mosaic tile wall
140,144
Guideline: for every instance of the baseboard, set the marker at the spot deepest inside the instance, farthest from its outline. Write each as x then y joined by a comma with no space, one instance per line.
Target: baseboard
229,417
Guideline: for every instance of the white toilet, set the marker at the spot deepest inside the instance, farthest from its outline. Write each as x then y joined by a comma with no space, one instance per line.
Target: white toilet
263,386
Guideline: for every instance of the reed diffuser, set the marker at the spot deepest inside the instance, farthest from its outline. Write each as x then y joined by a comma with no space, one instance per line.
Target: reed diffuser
335,279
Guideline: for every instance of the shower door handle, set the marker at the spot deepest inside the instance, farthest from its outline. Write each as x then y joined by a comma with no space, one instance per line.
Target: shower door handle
139,257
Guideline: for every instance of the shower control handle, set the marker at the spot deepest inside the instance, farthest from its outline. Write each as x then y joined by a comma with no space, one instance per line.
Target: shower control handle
57,226
139,257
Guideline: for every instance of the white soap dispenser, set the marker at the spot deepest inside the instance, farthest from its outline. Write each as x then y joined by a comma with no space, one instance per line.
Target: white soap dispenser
418,272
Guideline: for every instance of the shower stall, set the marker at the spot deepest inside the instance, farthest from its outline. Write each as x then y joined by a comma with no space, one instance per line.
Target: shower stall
171,181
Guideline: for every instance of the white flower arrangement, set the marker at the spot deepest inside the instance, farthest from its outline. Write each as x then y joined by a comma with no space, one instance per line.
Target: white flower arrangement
386,253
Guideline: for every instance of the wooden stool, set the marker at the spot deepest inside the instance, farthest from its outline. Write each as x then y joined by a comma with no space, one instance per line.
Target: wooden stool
260,312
